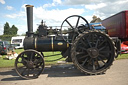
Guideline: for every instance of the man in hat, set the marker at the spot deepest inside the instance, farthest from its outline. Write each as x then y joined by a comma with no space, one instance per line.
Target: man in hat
95,19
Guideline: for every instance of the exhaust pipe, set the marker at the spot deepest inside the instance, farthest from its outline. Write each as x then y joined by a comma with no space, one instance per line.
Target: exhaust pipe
29,9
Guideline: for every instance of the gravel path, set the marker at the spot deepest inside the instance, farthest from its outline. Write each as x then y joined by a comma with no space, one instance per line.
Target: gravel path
68,75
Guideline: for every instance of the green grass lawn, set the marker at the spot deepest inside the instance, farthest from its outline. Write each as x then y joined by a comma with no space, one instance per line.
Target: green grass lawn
4,62
48,60
123,56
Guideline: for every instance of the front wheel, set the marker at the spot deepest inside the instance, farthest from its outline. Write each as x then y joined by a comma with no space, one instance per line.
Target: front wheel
29,64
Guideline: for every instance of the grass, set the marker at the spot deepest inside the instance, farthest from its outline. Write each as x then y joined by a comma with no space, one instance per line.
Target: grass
123,56
4,62
48,60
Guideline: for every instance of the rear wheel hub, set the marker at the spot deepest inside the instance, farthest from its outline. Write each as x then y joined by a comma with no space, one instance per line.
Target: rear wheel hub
93,52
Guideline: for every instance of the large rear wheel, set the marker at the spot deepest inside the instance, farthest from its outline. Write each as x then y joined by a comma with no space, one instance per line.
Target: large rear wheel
93,52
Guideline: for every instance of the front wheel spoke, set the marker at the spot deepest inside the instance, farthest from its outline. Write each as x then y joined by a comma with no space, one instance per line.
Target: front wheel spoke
19,62
23,71
31,56
23,58
28,72
34,74
37,61
21,67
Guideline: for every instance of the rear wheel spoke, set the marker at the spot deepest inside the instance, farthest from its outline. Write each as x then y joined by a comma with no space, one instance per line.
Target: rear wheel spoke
78,53
83,42
93,64
84,61
83,56
102,48
97,43
97,63
102,43
101,60
103,56
83,48
88,42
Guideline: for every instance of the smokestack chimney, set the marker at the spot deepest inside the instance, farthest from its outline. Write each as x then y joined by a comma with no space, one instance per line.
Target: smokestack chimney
29,9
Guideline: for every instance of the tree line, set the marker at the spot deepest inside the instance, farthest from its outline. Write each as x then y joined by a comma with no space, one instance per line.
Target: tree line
8,32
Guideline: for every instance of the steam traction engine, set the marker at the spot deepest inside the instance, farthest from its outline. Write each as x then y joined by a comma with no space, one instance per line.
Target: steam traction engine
92,51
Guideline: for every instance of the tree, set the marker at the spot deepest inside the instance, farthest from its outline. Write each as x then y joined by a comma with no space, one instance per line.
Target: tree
13,30
10,31
6,28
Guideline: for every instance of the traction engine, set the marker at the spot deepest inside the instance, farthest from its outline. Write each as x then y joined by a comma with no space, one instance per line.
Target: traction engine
92,51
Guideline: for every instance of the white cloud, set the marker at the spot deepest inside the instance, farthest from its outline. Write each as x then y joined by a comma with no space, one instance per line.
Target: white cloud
2,1
22,28
95,6
48,5
1,28
80,2
101,8
56,16
57,1
52,17
54,3
122,2
88,17
16,15
111,8
9,8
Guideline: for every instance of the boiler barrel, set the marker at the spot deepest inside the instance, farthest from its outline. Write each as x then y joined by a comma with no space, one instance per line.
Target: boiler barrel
45,44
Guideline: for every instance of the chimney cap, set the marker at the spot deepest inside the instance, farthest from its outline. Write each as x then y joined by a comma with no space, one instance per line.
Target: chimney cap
29,6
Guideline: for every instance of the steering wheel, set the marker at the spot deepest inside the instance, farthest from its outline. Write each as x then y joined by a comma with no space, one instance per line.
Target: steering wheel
74,22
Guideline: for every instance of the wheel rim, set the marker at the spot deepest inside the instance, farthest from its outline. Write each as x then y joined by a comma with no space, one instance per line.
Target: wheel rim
29,64
93,52
74,28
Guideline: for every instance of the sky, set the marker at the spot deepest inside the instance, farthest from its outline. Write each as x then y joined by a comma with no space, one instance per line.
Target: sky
53,12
